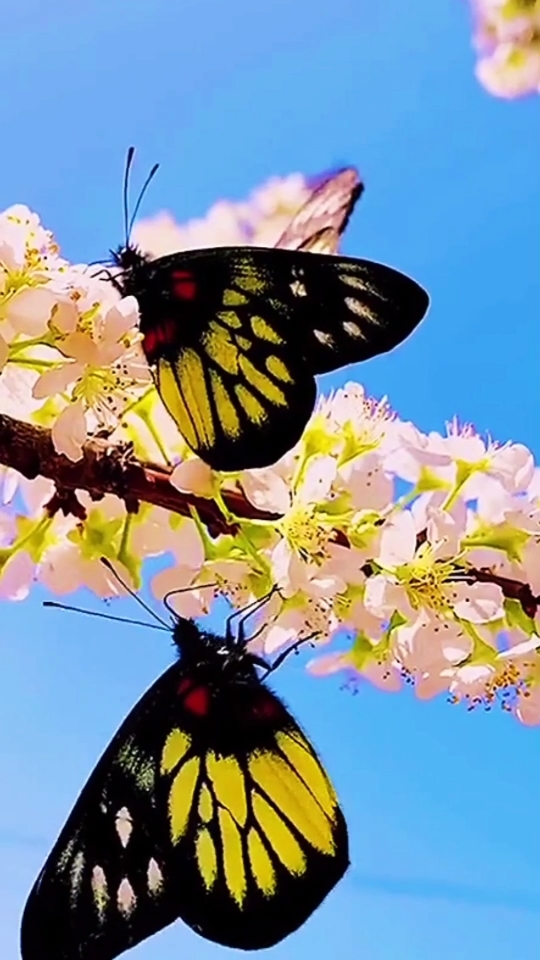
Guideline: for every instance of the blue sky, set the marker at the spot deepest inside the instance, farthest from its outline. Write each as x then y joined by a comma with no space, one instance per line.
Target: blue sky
442,805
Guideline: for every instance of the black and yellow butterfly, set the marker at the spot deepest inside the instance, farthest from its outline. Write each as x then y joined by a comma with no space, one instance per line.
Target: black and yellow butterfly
209,804
236,335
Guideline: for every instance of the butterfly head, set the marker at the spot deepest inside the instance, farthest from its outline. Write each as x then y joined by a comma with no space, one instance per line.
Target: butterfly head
133,266
132,263
211,652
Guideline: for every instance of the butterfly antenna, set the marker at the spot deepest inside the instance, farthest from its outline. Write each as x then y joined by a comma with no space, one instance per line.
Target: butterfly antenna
107,563
144,188
173,593
244,614
104,616
127,171
294,648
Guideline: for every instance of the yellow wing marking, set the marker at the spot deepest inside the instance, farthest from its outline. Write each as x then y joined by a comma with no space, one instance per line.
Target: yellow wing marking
280,838
233,298
190,373
258,380
205,852
229,785
226,410
250,404
181,797
65,857
260,863
243,342
277,368
220,348
134,762
172,398
100,892
230,317
176,746
206,804
233,860
76,873
251,281
264,331
292,798
309,769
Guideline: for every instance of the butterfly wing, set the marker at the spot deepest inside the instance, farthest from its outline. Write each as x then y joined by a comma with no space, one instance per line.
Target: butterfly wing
235,335
321,220
209,805
106,884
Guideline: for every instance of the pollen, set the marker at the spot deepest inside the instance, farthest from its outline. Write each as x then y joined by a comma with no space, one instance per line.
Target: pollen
307,536
426,580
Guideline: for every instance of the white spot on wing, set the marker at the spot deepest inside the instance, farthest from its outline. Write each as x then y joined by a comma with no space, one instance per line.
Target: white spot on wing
154,877
361,310
124,825
353,329
298,289
353,280
325,338
125,898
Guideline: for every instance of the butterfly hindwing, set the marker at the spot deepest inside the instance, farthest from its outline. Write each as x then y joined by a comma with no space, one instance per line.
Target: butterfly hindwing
235,336
209,805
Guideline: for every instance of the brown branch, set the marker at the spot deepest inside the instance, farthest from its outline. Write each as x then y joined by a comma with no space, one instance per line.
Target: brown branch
103,469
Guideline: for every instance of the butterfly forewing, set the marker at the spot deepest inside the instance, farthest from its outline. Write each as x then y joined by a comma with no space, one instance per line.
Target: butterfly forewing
209,805
321,220
237,334
105,885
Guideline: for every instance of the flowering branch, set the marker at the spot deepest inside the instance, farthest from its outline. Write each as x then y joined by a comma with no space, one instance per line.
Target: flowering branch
420,552
103,469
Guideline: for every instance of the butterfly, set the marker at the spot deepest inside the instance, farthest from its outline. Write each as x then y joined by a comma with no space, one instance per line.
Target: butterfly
235,336
210,805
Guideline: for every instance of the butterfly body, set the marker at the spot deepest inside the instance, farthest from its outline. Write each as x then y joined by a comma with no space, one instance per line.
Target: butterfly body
209,804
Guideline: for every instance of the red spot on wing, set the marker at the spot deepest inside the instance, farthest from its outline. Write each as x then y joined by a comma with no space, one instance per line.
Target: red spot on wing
164,334
197,701
185,685
184,285
266,708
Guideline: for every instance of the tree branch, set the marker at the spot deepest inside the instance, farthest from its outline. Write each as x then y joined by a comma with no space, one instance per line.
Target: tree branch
103,469
29,449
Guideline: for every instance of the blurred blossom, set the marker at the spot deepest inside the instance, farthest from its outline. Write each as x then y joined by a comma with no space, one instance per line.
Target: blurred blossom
259,221
507,38
438,589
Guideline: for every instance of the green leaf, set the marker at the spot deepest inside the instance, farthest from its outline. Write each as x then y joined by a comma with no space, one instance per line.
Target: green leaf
516,617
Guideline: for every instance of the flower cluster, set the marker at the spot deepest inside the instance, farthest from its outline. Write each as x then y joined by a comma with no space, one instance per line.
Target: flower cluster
507,38
415,557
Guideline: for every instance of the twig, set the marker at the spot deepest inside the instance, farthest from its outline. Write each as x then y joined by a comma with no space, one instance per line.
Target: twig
29,449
